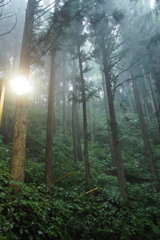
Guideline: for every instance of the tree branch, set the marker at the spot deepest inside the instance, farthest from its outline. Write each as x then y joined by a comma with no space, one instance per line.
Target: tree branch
4,3
5,16
129,79
126,69
10,29
48,48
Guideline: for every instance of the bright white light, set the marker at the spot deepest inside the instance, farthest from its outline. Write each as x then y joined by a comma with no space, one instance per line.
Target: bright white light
152,3
20,85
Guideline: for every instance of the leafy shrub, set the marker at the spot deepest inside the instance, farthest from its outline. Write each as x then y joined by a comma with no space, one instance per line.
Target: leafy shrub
34,172
56,214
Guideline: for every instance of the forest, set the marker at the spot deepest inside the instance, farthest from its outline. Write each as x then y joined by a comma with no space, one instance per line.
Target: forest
79,120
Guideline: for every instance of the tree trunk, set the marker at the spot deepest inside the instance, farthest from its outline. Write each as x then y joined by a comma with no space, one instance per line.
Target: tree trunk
2,93
147,147
145,108
77,151
50,125
78,134
107,113
129,98
64,96
114,138
91,122
17,165
85,132
153,102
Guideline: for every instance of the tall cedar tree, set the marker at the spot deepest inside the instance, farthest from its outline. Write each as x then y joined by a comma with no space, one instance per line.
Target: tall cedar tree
102,27
50,113
147,147
81,38
17,165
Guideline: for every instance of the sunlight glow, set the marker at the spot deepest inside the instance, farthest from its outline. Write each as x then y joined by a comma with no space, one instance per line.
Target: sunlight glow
152,3
20,85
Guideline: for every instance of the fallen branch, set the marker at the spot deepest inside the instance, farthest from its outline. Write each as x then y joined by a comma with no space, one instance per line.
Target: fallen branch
61,178
90,191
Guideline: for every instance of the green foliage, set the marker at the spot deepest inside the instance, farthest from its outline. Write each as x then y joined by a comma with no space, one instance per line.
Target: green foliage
38,213
34,172
4,153
63,157
36,134
62,212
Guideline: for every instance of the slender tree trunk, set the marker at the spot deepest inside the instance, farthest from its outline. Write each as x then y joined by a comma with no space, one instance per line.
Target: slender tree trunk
115,150
147,147
91,122
85,131
17,165
74,111
129,99
144,99
78,133
104,88
153,102
77,151
64,98
107,113
50,125
151,95
74,137
2,93
145,107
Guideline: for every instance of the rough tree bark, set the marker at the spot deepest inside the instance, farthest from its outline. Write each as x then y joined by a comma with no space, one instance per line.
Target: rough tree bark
2,92
85,131
153,101
114,138
77,151
17,164
50,125
147,147
50,117
91,122
129,97
64,95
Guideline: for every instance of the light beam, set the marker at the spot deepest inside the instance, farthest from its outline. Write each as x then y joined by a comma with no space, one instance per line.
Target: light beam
20,85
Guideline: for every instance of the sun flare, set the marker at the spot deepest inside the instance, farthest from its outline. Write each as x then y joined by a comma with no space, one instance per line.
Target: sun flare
152,3
20,85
